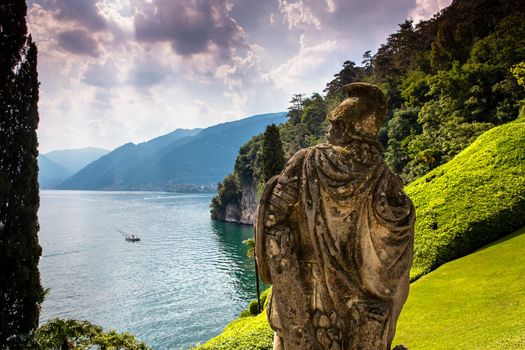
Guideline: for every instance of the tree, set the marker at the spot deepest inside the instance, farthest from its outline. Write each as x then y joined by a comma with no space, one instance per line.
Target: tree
250,245
348,74
58,334
20,288
227,193
272,157
296,108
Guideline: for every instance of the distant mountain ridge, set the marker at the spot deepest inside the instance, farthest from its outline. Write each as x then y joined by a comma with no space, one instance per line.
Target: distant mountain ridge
56,166
200,157
76,159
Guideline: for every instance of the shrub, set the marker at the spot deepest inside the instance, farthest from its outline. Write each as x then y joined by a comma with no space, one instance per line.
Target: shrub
476,198
80,335
254,308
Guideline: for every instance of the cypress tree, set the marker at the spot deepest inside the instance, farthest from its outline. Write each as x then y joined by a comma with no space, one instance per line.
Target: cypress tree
272,157
20,289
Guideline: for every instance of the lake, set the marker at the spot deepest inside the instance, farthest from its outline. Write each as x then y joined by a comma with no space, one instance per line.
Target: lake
181,284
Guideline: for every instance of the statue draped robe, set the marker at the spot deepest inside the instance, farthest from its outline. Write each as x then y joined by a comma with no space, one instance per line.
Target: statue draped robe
334,235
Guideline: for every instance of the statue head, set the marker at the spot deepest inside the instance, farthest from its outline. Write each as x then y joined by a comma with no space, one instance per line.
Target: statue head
360,115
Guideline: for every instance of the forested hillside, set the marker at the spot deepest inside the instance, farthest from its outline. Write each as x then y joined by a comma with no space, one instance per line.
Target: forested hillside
447,80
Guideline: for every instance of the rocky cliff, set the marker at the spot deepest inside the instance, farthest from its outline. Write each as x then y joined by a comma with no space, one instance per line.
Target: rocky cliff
243,211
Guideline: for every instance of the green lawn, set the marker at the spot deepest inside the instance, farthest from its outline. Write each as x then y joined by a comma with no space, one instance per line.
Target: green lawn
475,302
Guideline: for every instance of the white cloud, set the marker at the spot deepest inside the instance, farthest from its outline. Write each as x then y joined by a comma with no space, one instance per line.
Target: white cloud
272,19
331,6
298,73
239,58
297,14
425,9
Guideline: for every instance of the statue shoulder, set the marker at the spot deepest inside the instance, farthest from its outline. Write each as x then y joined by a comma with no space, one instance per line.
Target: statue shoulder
297,157
391,193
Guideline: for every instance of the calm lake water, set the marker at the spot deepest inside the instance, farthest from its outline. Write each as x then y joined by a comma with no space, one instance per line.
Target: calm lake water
187,278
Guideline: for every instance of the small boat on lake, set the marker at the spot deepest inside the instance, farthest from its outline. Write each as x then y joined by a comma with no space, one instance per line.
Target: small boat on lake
132,238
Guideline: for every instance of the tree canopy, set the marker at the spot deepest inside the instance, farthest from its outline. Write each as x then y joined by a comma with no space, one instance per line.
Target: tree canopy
20,288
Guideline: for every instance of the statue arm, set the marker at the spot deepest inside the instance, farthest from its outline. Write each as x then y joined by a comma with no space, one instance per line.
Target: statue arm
276,205
285,192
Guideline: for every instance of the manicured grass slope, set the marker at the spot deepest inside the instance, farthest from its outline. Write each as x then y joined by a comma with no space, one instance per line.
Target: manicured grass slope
476,198
475,302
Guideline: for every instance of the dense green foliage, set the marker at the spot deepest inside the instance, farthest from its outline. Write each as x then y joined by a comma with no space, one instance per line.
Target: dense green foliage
448,80
20,288
476,302
227,193
472,200
246,333
58,334
272,156
253,307
476,198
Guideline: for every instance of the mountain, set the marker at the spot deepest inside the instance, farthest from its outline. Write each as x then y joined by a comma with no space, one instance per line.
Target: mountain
51,173
159,164
75,159
56,166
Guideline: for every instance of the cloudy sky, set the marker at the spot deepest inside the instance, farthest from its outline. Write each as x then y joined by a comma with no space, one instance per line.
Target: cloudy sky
115,71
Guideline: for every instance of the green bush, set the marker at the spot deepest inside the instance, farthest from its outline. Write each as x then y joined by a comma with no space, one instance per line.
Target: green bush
254,308
227,193
472,200
83,335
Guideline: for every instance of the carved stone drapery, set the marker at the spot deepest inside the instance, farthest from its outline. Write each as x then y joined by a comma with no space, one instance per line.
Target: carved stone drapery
334,235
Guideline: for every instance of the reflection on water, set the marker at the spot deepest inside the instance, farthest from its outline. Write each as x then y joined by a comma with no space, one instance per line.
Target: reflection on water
181,284
230,237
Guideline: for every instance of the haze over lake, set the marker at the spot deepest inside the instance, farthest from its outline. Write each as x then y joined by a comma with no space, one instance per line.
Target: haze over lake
187,278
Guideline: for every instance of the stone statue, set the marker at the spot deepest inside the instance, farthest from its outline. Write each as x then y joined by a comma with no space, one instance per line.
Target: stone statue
334,235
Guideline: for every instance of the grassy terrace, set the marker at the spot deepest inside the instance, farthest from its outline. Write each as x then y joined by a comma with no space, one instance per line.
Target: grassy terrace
475,302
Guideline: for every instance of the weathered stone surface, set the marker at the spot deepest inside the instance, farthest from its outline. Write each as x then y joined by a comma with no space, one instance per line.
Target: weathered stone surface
334,235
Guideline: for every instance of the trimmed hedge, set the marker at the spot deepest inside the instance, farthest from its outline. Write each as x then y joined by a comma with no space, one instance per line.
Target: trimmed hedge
475,199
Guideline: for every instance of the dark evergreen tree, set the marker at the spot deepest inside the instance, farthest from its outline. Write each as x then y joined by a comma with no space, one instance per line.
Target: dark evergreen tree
272,157
20,289
348,74
296,108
